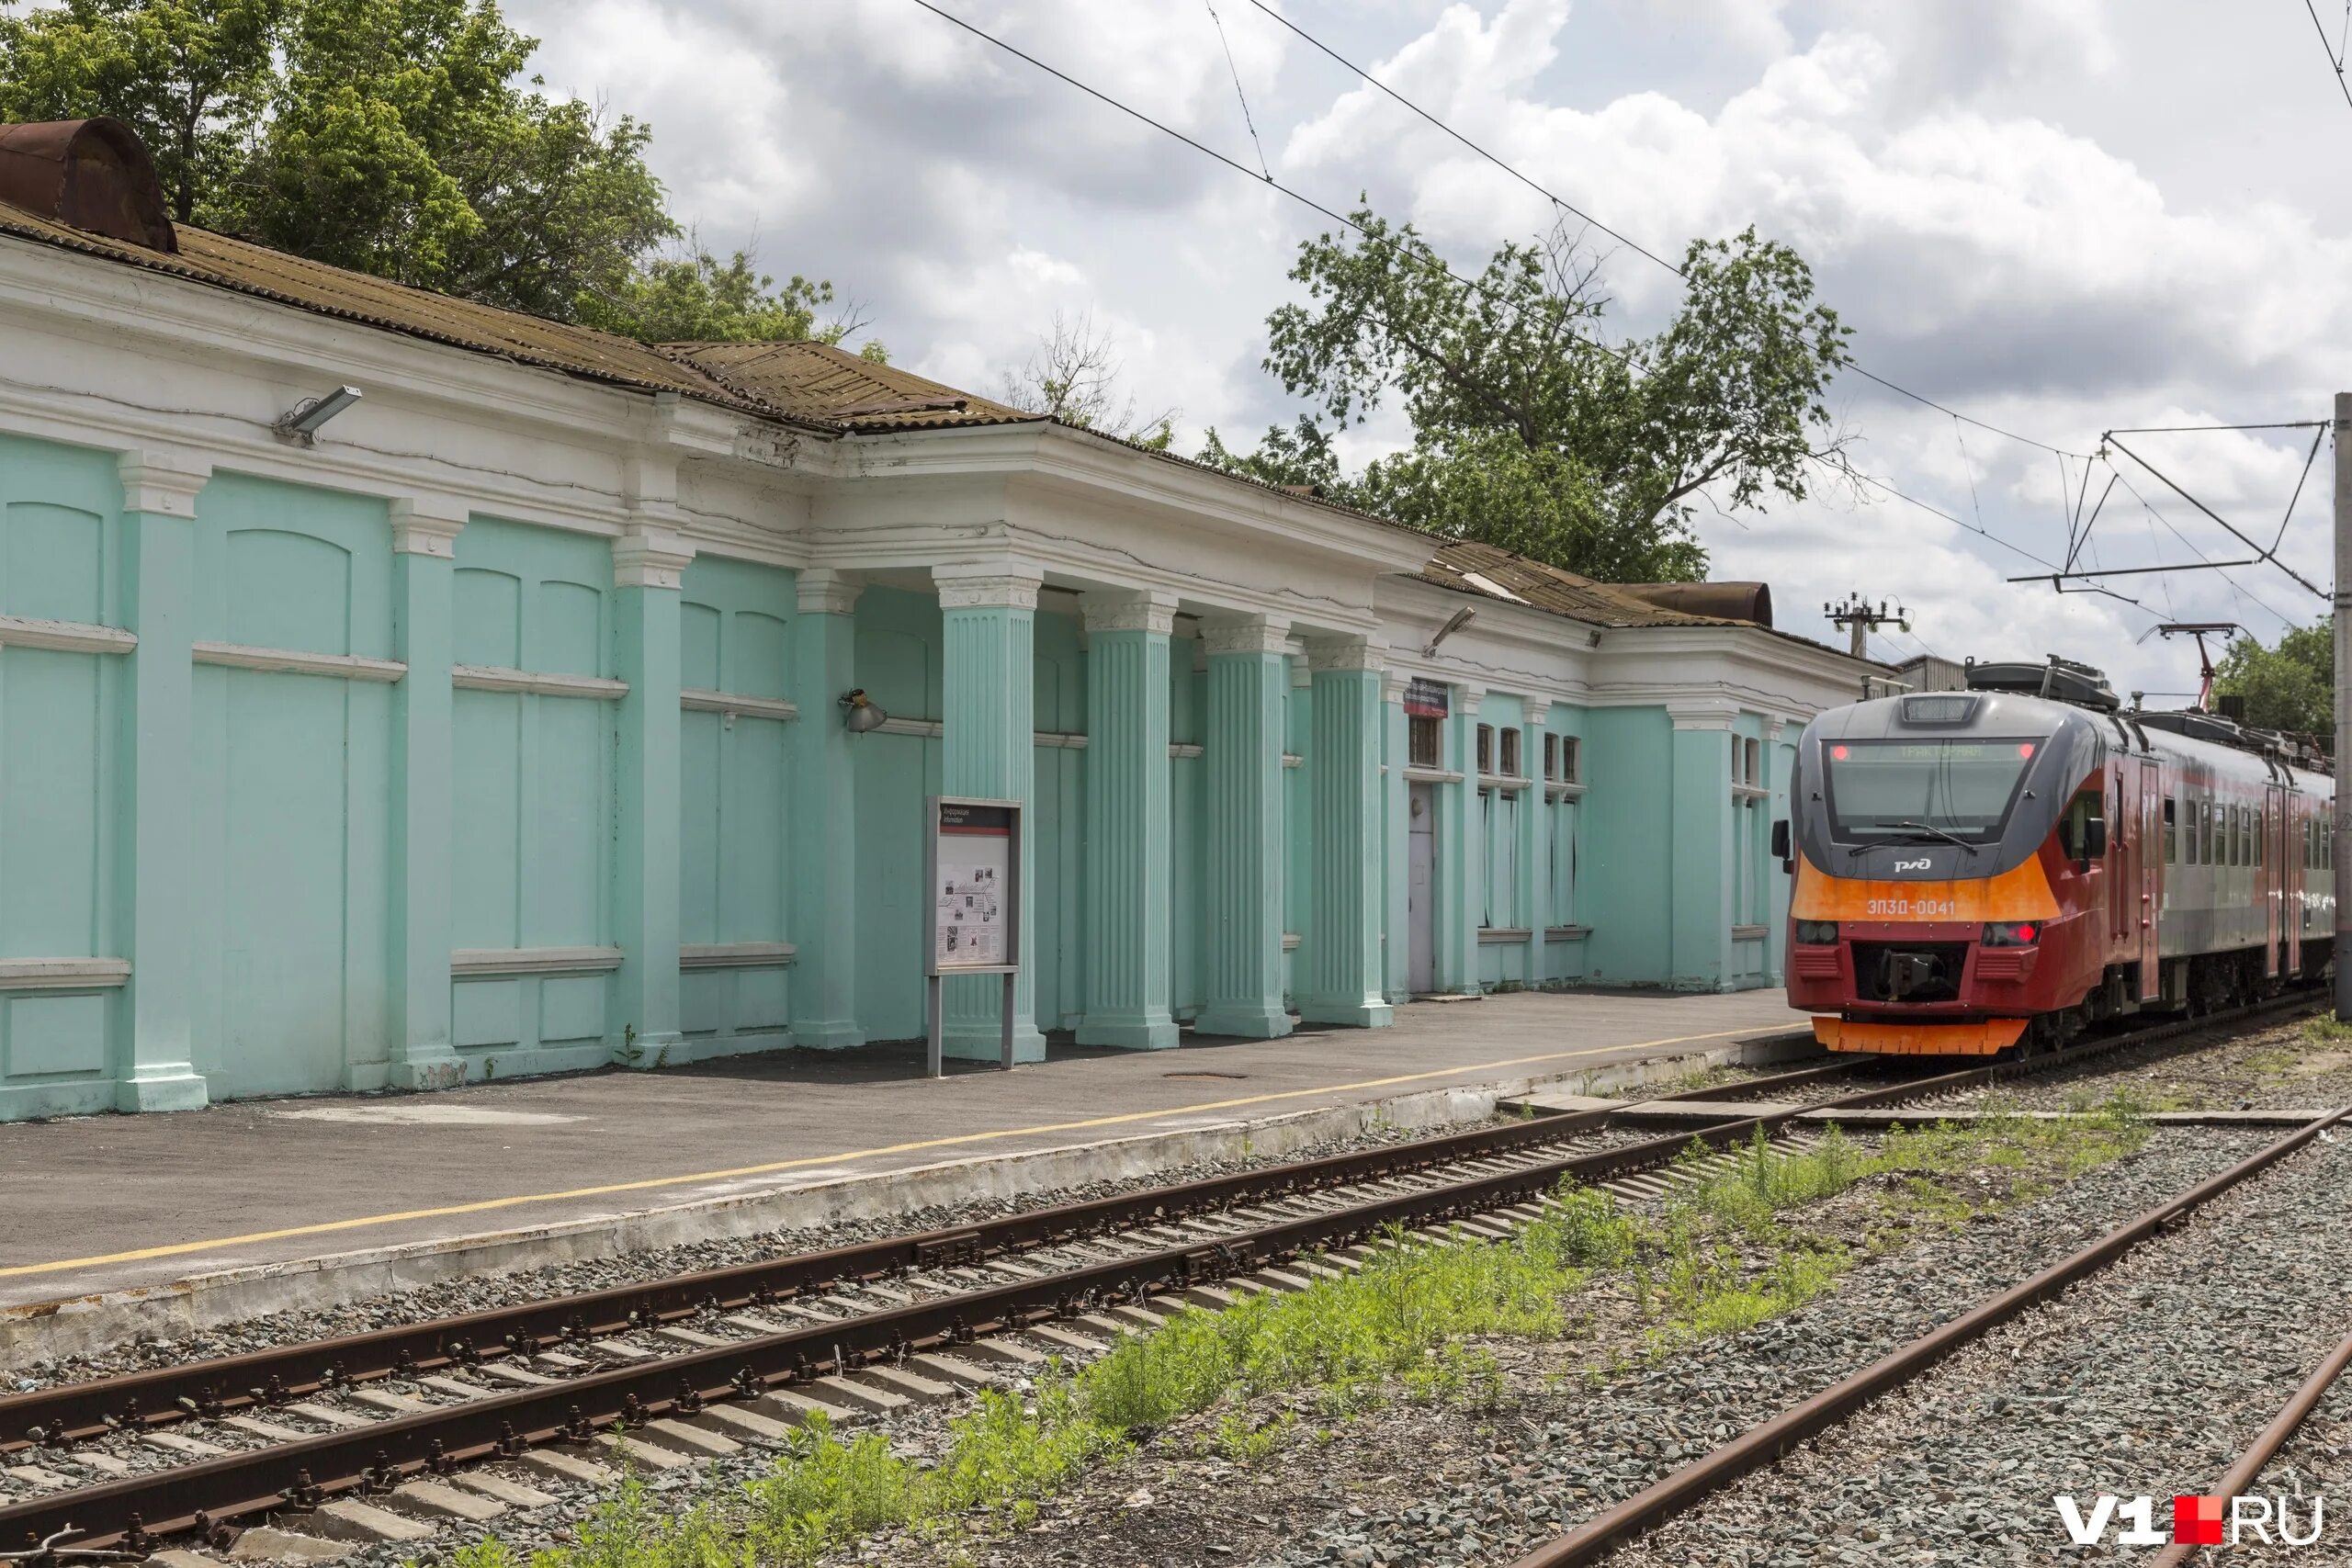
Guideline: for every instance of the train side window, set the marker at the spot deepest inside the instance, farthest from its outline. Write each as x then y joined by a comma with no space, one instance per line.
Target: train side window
2261,822
2172,834
2233,835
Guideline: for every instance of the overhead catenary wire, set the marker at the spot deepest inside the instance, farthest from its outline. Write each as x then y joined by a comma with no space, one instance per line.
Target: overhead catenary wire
2236,533
2335,56
1428,259
1636,245
1226,44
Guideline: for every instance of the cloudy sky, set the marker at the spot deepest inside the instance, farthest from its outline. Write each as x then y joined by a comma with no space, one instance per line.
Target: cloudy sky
2059,217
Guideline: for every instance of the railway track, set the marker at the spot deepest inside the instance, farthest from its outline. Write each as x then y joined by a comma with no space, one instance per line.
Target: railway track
699,1362
1687,1487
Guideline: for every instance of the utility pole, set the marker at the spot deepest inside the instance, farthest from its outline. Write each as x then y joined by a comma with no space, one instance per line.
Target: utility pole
2343,706
1859,619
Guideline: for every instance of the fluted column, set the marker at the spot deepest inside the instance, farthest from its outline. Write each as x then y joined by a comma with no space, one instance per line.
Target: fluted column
824,816
1344,983
1534,846
425,536
1395,835
1249,686
156,1070
648,567
1461,848
988,615
1128,870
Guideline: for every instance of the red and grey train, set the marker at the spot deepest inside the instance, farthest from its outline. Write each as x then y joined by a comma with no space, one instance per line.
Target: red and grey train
1996,867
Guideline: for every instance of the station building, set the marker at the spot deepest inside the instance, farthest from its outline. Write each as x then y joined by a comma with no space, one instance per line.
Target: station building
497,725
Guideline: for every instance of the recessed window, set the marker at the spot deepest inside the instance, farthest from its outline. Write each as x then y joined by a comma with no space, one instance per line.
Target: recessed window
1424,741
1571,763
1511,754
1485,748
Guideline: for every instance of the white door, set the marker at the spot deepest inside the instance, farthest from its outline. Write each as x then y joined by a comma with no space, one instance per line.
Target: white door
1421,887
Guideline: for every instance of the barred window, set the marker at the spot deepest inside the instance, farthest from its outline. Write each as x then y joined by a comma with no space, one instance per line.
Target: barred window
1485,748
1424,741
1511,754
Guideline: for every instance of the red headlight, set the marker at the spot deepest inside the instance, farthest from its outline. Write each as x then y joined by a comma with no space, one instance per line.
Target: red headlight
2011,934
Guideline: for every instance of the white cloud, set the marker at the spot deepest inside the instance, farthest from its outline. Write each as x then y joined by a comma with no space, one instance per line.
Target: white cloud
2059,215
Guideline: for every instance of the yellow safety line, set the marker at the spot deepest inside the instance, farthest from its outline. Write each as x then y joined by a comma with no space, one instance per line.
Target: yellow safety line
176,1248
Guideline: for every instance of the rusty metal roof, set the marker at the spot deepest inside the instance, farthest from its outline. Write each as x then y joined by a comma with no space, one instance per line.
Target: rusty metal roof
818,381
93,173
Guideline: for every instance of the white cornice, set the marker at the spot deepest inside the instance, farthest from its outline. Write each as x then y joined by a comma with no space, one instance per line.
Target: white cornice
64,636
826,591
650,558
989,585
1150,610
732,702
1263,636
428,525
532,682
466,962
163,483
1345,653
62,973
298,662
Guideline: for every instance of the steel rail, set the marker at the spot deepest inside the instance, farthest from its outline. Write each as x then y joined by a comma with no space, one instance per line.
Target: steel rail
1762,1444
164,1396
2267,1442
209,1492
206,1494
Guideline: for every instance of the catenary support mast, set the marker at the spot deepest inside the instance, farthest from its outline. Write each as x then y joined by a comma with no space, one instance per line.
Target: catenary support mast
2343,706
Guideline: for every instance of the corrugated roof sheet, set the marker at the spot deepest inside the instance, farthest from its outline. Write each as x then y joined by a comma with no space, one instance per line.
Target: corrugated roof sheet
1459,563
230,263
818,381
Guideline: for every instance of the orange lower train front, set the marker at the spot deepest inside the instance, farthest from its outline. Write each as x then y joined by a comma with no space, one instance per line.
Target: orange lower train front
1953,968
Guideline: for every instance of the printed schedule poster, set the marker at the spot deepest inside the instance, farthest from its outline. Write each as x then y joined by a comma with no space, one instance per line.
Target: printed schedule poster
974,928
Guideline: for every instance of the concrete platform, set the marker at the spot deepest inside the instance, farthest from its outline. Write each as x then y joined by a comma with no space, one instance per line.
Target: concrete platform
118,1225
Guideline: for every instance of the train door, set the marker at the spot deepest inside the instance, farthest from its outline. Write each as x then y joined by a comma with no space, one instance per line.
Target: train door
2148,875
2280,867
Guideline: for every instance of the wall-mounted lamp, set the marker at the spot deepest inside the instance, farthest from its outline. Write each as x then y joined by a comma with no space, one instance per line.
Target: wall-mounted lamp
1462,618
302,421
865,714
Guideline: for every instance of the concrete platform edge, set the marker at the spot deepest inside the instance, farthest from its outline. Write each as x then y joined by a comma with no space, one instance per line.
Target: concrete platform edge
91,1324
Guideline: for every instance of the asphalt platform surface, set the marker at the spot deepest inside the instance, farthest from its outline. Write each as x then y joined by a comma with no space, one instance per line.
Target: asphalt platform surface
108,1202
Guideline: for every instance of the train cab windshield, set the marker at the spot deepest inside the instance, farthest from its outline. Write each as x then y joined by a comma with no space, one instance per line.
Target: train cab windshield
1883,791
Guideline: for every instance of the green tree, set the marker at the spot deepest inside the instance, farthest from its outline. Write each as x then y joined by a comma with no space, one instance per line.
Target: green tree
399,138
1526,433
193,77
693,296
401,144
2291,686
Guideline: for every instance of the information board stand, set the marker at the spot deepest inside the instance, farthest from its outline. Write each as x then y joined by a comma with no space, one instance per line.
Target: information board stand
972,870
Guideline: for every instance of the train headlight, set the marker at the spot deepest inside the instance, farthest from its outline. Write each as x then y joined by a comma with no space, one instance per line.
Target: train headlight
1816,933
2012,933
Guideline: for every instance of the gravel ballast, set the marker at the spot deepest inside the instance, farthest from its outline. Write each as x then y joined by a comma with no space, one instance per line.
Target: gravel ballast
2147,1379
1418,1485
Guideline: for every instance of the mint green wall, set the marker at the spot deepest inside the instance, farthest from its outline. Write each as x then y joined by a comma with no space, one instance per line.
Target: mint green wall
898,664
59,548
532,785
1057,823
298,902
1627,835
734,811
289,792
